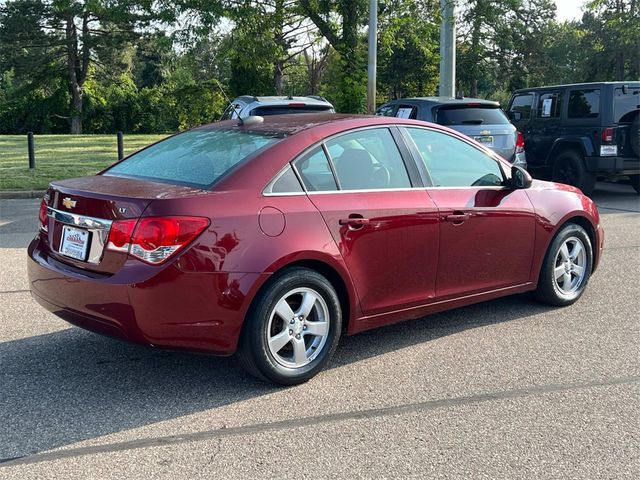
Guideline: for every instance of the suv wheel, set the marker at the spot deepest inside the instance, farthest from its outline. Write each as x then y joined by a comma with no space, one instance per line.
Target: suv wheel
569,168
634,180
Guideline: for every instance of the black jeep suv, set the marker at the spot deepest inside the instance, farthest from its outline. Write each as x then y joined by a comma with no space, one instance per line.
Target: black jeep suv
582,132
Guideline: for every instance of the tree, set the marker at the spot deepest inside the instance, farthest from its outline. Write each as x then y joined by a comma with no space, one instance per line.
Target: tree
67,36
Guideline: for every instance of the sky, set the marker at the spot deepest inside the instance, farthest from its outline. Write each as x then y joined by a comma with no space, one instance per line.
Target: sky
569,9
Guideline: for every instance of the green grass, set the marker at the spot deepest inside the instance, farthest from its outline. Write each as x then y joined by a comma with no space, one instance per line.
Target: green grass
60,156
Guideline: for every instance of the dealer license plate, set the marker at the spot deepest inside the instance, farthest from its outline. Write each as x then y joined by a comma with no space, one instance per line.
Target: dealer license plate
486,140
75,243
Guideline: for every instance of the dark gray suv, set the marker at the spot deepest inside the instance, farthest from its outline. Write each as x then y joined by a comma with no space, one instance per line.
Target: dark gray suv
482,120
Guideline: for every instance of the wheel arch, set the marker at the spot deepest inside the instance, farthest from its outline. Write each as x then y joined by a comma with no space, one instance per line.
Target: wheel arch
582,220
581,145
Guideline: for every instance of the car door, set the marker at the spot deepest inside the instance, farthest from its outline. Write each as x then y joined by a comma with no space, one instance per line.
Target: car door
486,228
379,215
544,128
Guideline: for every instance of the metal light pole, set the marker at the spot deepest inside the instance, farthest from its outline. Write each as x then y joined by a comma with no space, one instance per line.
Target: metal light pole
373,52
448,49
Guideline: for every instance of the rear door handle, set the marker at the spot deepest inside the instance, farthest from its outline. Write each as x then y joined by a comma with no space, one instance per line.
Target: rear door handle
354,221
457,218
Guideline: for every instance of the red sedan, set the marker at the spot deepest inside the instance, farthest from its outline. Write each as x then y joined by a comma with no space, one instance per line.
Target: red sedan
272,238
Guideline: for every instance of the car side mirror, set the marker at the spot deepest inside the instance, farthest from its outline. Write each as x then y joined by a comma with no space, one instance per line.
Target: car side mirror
515,116
520,178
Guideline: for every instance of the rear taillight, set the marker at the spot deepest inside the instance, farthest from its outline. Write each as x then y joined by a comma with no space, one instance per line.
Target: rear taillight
519,142
608,134
42,215
154,239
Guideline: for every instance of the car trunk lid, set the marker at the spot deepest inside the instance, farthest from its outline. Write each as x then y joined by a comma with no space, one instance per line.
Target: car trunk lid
80,213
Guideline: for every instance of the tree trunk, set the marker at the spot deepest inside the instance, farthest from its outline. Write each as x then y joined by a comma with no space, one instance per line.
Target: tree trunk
76,115
474,88
278,76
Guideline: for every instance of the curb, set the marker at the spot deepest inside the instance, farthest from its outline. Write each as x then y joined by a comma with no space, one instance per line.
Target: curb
16,194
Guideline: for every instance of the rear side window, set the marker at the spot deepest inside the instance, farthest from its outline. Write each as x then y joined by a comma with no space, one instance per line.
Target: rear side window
407,111
197,157
522,104
584,104
368,159
549,105
315,171
471,116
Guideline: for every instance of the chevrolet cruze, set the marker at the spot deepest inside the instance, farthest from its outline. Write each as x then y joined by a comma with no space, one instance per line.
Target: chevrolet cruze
270,238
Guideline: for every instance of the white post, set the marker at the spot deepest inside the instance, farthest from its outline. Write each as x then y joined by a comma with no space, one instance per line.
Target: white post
448,49
373,51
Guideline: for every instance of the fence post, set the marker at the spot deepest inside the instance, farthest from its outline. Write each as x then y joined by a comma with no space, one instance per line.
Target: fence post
31,149
120,146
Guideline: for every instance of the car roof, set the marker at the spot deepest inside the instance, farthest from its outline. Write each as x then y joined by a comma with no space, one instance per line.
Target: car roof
294,123
573,85
447,101
282,100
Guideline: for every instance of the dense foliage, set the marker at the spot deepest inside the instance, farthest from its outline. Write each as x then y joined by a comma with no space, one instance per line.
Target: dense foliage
142,66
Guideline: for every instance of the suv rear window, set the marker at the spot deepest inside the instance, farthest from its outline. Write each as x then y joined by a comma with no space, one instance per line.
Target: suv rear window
287,109
471,116
197,157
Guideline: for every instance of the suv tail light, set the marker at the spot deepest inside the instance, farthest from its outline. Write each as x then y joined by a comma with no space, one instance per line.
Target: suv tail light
608,134
154,239
42,215
519,142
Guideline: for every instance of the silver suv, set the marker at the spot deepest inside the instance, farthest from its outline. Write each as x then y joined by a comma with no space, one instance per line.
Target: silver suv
480,119
248,105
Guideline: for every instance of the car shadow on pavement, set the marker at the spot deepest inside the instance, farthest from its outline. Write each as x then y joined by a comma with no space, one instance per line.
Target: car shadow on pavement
72,385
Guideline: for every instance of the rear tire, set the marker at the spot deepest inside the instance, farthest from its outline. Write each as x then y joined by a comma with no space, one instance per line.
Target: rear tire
569,168
292,329
634,180
566,268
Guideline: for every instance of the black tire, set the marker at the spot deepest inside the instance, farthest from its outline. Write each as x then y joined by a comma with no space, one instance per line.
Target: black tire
549,291
634,180
569,168
634,134
254,353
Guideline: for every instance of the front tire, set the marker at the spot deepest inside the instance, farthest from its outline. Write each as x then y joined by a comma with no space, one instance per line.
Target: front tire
292,329
569,168
566,268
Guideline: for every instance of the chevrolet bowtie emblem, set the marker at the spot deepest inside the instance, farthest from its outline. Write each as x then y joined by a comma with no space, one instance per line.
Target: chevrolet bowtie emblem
67,202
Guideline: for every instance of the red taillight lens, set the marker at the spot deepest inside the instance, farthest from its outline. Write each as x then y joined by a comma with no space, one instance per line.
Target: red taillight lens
608,135
155,239
519,142
42,215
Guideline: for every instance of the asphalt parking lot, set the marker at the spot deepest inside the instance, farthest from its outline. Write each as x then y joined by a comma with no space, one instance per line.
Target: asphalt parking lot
504,389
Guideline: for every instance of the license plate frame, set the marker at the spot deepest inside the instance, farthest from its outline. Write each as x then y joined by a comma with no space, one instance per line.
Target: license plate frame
74,243
486,140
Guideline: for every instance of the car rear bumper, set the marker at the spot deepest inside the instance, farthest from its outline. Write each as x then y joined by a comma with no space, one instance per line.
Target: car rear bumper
172,308
613,165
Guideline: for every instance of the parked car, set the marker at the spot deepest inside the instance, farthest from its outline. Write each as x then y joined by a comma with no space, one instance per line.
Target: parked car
272,237
482,120
579,133
248,105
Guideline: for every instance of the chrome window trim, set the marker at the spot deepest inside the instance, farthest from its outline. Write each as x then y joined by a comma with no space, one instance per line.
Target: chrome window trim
268,190
98,227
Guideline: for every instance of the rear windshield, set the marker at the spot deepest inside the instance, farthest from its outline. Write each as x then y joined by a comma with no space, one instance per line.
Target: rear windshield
196,158
471,116
287,109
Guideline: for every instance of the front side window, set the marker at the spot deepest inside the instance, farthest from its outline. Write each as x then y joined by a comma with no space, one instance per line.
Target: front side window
407,111
197,157
368,159
584,104
452,162
386,110
549,105
522,104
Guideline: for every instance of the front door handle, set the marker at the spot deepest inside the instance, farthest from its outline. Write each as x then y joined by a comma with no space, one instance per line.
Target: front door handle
457,218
